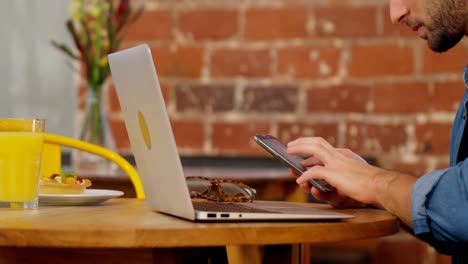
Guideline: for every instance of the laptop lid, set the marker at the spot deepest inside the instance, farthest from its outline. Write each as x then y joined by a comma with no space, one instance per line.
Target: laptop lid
151,138
155,150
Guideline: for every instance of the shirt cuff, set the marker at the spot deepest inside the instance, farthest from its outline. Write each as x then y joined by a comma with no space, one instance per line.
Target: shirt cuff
423,186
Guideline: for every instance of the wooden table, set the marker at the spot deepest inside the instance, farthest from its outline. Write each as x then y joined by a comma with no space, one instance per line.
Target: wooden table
129,224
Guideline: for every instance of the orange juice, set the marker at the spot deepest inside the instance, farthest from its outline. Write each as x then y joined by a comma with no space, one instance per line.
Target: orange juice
20,158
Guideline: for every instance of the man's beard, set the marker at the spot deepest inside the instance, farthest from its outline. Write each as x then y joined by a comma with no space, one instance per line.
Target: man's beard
440,41
447,26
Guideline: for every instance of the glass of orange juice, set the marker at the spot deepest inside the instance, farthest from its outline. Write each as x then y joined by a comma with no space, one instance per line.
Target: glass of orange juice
21,141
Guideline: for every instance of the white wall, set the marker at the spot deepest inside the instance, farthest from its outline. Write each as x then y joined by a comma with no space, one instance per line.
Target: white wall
35,78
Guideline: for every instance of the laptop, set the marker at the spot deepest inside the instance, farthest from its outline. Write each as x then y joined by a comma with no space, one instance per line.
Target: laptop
157,159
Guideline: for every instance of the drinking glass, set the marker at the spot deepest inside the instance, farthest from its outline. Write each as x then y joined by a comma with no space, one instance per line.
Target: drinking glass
21,143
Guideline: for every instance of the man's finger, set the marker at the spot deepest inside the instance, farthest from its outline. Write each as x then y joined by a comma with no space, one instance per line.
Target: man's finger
317,147
316,172
312,161
305,187
323,196
293,172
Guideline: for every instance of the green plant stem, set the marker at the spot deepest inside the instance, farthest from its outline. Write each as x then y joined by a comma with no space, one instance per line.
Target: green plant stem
93,126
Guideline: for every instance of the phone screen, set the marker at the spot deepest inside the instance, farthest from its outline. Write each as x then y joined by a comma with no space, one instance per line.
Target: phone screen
279,151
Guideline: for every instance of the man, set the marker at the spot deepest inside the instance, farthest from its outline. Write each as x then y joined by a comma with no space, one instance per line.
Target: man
435,206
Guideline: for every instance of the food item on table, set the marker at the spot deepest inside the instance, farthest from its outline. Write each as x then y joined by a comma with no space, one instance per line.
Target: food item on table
63,183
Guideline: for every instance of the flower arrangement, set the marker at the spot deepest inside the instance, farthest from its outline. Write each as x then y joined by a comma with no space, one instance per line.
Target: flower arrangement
97,28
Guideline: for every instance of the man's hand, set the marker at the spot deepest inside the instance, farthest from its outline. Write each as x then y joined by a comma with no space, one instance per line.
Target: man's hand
336,199
357,182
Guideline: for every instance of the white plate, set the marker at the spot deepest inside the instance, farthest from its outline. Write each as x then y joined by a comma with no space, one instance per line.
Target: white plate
89,197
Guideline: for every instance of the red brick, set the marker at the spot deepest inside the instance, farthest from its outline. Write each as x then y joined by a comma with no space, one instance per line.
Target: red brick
118,130
270,99
290,131
204,98
114,104
151,26
208,24
390,29
165,88
341,98
367,138
433,138
82,71
240,62
178,61
401,98
392,59
453,60
346,21
447,95
271,24
310,62
236,138
189,134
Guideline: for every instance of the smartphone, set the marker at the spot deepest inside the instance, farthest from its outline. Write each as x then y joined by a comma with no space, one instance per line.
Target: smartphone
279,151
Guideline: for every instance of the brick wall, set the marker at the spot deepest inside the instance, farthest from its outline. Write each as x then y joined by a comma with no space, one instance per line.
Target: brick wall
336,69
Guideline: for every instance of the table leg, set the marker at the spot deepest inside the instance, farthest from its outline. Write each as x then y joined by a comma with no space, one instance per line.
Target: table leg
272,254
300,254
240,254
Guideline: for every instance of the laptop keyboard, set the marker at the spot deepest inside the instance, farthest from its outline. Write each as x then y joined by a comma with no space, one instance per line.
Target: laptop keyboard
227,207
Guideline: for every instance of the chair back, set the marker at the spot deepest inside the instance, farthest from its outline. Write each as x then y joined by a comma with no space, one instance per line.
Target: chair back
51,158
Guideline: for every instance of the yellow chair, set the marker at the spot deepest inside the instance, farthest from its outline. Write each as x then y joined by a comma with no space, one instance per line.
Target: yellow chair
51,158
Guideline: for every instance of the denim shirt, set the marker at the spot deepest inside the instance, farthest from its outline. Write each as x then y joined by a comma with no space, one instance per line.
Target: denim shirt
439,199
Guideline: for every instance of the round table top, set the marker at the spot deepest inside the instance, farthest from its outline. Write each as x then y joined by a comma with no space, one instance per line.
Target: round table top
129,223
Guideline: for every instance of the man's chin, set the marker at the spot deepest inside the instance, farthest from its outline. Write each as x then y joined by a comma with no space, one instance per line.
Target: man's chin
443,43
439,49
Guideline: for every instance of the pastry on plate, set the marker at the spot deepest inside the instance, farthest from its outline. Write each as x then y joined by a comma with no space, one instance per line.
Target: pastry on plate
63,183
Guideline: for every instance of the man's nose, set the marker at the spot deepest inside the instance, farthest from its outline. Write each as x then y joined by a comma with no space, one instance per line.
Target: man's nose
398,11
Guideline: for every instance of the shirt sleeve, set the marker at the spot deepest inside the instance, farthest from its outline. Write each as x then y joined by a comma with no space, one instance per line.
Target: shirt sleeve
439,207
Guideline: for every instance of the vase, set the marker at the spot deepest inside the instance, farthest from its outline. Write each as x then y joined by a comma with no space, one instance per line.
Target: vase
94,128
